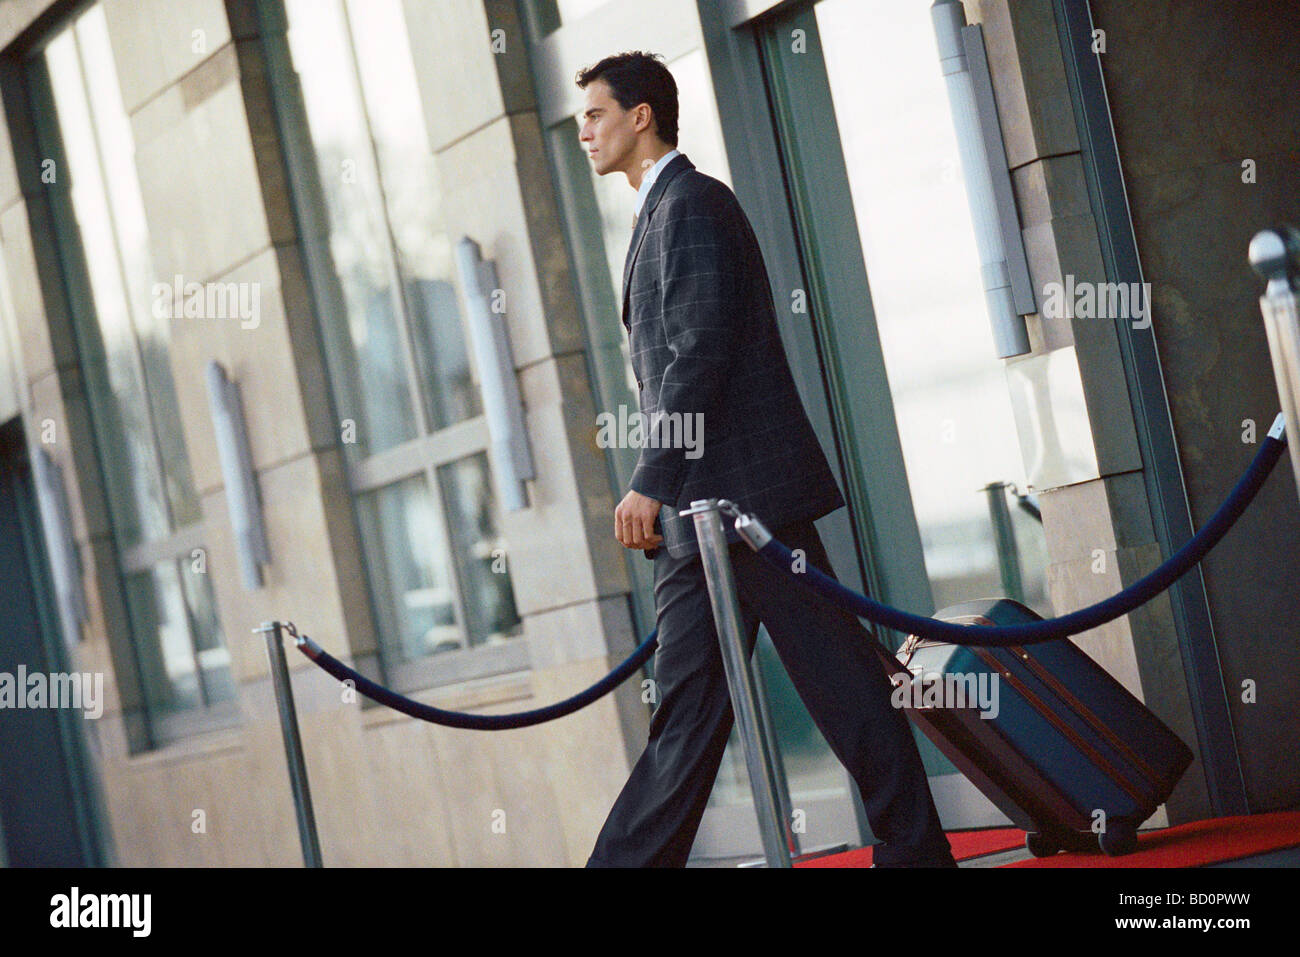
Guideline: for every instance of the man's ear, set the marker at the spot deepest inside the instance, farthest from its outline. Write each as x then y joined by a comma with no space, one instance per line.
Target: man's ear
644,118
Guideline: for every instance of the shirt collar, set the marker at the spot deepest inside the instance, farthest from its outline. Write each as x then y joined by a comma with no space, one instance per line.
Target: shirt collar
651,175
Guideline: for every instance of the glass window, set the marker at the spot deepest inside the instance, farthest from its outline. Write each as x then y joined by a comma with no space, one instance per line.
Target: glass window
400,333
188,668
948,386
124,353
414,580
479,549
384,275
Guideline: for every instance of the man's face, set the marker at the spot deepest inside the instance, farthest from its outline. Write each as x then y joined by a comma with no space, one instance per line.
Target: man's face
608,131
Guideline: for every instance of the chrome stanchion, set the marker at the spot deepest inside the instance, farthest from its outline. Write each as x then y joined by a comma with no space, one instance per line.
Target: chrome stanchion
1275,254
726,614
292,741
762,699
1004,537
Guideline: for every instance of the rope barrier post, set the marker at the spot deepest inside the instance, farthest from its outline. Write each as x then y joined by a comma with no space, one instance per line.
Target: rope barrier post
761,698
292,742
1004,536
726,614
1275,255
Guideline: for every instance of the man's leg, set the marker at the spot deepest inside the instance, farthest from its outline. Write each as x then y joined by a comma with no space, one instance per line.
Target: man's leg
844,686
654,821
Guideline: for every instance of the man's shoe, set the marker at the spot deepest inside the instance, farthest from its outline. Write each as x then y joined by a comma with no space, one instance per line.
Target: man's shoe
943,859
924,863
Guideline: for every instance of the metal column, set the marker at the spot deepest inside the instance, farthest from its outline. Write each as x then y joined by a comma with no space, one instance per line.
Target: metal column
1004,537
759,761
762,698
292,742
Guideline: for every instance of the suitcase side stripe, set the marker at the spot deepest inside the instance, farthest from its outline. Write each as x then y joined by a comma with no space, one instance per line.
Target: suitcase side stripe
1027,796
1081,709
1096,757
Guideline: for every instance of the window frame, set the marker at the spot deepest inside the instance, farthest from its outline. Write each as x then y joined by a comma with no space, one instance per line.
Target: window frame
431,448
29,82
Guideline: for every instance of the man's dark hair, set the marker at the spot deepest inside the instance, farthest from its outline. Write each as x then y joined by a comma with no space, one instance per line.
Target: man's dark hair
636,78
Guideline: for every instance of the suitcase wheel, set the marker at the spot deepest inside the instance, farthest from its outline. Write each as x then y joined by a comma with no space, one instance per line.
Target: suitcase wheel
1040,844
1120,837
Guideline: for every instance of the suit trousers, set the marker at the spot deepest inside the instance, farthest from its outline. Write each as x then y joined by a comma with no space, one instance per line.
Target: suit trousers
841,681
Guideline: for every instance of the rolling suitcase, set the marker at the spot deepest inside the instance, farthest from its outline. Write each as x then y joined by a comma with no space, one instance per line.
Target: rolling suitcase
1043,731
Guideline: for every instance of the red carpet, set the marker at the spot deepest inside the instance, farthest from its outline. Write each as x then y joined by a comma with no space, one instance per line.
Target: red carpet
964,844
1187,845
1192,844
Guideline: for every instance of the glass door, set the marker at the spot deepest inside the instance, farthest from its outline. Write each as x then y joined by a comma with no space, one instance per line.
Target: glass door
918,395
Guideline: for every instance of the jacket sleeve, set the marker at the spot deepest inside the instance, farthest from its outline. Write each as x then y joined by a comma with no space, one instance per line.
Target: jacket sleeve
699,286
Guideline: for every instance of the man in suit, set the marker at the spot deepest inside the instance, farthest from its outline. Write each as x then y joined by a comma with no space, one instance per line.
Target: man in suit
698,308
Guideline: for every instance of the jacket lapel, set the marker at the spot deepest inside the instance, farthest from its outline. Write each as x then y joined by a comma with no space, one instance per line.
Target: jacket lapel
675,166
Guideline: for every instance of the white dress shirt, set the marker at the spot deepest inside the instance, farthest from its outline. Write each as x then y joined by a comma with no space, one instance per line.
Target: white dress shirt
648,179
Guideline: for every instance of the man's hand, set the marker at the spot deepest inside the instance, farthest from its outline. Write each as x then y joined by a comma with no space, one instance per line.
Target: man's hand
634,521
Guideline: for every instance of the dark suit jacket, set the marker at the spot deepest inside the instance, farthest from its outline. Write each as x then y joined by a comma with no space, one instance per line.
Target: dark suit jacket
698,308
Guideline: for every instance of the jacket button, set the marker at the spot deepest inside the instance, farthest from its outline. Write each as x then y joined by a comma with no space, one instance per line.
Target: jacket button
638,384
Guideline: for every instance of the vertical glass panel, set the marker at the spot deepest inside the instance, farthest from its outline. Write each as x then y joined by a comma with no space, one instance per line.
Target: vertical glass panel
479,550
407,554
112,364
217,682
117,155
448,383
378,394
412,202
124,351
948,386
161,620
183,659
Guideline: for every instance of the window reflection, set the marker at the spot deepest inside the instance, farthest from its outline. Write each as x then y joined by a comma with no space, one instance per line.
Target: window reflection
410,570
184,663
412,202
395,338
949,390
123,350
377,393
389,251
479,550
415,554
125,357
